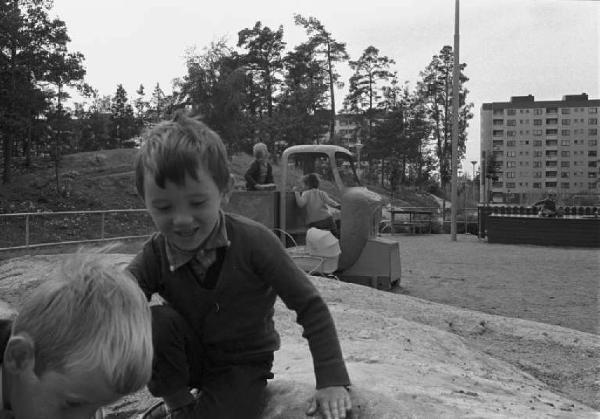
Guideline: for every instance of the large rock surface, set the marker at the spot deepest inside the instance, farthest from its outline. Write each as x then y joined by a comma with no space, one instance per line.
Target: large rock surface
405,356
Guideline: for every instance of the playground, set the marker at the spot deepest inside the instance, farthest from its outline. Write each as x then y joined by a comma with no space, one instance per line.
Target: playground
531,309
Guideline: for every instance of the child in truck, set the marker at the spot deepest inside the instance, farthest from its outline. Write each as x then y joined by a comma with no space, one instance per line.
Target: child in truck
219,275
316,202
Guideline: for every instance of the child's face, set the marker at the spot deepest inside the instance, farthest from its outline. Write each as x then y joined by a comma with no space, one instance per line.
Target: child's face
55,395
186,214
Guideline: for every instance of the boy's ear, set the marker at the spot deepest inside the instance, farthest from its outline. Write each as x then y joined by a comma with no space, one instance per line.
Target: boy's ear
227,193
19,355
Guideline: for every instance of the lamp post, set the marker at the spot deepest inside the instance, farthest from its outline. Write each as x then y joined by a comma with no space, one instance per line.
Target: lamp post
473,162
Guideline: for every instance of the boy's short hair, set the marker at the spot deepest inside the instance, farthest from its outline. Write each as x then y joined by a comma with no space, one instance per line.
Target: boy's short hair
311,180
90,316
260,150
180,146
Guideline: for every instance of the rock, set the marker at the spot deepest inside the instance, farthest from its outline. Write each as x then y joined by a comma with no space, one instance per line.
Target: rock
402,358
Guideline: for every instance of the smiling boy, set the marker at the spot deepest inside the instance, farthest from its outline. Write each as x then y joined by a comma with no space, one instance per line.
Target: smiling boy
80,342
219,275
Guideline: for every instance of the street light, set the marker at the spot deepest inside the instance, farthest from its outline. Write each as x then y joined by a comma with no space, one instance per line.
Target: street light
473,162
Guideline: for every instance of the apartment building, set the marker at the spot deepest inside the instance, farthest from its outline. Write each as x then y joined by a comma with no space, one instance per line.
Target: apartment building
541,147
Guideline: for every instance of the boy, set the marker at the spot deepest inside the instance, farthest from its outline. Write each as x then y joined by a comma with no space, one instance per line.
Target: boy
219,275
81,341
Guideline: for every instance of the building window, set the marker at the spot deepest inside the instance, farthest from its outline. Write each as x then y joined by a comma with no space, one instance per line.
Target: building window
537,185
499,143
565,153
591,142
566,122
537,164
498,133
551,153
537,174
551,174
510,185
511,111
537,153
537,143
593,121
565,132
552,163
564,164
511,164
498,111
510,133
565,142
511,143
498,122
551,142
550,184
565,111
511,153
537,132
592,164
551,121
511,122
551,132
593,131
537,122
593,110
592,174
552,110
564,185
564,174
592,185
592,153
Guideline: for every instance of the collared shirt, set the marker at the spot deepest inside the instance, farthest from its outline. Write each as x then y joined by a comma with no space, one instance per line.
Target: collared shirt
202,258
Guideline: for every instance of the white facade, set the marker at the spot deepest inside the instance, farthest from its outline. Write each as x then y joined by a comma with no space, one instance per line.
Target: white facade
541,147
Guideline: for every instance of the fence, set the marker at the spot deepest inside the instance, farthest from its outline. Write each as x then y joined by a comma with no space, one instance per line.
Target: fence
36,229
485,210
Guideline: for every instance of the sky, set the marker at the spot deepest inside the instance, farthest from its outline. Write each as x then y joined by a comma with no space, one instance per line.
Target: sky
547,48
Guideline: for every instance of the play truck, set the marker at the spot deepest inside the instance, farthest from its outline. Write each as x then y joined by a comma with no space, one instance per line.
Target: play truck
365,258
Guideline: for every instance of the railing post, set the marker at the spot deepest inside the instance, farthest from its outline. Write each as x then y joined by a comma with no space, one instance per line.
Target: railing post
102,226
27,230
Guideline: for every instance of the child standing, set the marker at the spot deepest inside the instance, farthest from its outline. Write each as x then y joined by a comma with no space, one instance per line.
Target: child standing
315,200
219,275
80,342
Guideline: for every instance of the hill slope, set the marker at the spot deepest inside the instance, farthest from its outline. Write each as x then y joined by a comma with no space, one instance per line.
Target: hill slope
104,180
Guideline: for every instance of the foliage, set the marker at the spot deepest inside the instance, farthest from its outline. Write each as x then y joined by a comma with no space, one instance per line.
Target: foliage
435,89
330,51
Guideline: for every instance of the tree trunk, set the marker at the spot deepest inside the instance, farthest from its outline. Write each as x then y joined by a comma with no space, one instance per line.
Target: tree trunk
27,144
331,92
7,149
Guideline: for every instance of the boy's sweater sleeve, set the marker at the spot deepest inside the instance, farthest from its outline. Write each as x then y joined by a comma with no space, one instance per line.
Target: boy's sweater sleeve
299,294
328,200
145,270
300,199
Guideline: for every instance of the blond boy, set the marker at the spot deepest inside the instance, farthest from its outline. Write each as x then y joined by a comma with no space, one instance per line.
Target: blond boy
81,341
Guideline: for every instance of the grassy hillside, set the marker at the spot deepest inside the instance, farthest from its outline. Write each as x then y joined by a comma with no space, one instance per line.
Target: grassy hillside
104,180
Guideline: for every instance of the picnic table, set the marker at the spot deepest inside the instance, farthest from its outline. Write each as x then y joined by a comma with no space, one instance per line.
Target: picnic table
414,218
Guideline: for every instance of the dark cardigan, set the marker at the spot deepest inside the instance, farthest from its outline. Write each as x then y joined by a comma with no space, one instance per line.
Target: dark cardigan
235,319
253,172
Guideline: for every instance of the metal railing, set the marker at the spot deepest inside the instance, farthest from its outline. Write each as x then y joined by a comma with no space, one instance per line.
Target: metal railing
37,229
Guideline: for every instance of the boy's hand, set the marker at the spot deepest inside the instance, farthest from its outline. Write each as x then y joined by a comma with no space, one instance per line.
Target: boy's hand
331,402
